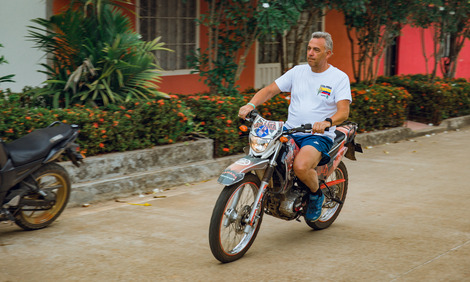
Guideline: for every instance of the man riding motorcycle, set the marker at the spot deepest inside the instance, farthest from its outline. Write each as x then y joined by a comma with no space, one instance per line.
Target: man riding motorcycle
321,95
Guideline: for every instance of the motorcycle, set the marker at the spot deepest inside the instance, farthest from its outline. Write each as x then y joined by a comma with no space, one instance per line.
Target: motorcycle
34,189
264,182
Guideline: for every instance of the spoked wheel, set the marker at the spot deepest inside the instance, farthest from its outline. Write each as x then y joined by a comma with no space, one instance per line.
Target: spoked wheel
331,209
230,237
54,184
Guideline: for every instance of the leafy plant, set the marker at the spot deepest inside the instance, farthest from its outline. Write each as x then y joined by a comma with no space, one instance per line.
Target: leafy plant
379,106
433,101
5,78
233,27
96,56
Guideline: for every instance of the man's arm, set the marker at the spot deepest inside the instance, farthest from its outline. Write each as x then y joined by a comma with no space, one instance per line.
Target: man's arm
339,117
262,96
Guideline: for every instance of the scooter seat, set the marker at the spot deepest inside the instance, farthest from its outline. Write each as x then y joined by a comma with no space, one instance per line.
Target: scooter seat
37,144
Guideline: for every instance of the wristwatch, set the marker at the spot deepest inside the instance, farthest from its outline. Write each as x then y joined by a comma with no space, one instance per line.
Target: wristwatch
329,119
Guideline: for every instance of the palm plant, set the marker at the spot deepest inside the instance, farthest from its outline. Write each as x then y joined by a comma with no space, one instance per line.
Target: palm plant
5,78
95,56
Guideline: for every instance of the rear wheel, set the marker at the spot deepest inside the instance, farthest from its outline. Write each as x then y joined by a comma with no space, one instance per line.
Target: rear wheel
331,209
229,234
54,181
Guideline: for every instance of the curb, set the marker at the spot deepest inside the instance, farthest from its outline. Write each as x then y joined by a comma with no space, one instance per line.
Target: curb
403,133
115,175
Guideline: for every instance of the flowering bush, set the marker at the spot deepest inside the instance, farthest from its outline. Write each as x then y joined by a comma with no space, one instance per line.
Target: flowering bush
113,128
433,101
137,125
216,117
378,106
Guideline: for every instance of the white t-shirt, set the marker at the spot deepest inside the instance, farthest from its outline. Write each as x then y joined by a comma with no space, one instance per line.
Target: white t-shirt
314,95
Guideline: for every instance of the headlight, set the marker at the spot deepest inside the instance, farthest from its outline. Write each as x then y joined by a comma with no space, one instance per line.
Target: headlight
258,144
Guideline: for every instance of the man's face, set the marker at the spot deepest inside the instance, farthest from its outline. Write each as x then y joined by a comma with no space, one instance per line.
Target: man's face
317,55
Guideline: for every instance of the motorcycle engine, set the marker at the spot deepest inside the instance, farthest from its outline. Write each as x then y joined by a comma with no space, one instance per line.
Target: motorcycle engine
284,206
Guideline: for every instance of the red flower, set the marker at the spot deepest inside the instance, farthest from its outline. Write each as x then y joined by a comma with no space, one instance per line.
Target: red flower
101,145
226,149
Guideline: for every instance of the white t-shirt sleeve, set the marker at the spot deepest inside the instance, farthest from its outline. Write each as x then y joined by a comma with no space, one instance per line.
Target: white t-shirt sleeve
343,90
284,82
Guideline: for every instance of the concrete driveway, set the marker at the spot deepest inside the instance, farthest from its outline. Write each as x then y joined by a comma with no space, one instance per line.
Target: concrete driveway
406,218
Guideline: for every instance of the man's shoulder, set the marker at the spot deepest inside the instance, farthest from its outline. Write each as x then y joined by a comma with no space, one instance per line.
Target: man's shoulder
337,71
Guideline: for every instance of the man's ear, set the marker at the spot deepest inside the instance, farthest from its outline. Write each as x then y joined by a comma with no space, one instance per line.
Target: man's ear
329,53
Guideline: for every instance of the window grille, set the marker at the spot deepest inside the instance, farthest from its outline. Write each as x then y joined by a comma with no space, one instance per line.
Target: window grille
175,22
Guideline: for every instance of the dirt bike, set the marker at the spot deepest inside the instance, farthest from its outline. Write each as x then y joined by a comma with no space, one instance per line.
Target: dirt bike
34,189
264,182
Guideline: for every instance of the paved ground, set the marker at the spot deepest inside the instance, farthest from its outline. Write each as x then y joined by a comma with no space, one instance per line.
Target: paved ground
406,218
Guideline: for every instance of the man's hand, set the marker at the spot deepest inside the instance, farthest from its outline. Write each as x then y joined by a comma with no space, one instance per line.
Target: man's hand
319,127
244,111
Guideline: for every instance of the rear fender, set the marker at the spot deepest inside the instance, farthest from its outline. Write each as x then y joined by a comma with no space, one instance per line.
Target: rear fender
236,171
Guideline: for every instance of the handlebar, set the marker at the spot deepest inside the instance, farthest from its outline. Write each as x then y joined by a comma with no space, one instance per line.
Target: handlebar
304,128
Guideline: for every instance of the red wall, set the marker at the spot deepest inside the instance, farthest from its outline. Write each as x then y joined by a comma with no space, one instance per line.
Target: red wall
411,59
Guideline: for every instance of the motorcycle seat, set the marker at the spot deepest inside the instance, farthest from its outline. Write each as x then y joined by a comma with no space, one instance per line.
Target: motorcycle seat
339,137
37,144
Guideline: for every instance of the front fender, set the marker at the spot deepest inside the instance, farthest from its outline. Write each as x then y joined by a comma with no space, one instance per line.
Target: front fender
236,171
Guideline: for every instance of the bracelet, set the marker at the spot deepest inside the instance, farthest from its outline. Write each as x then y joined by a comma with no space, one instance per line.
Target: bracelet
251,104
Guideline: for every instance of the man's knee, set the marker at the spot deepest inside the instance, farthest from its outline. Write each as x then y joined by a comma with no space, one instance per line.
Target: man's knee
303,169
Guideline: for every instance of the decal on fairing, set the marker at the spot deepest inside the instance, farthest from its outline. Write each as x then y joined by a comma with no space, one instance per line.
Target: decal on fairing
243,161
262,131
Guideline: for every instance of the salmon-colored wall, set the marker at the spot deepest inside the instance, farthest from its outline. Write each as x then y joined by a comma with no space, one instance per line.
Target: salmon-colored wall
334,24
411,59
190,84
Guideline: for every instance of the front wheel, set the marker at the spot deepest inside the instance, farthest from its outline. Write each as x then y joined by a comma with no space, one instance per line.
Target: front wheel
331,209
230,236
53,180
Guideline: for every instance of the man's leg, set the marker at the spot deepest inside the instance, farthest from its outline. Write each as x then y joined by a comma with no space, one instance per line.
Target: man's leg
304,167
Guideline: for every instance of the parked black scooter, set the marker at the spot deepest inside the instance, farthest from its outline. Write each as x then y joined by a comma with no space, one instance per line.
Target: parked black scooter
34,189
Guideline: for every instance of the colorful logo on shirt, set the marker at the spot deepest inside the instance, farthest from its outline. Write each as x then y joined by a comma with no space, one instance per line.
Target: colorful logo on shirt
324,91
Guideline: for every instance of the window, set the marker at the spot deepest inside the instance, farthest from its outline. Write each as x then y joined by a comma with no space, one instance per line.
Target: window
268,51
175,22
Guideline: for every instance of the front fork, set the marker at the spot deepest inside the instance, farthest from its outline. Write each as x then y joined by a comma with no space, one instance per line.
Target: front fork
258,203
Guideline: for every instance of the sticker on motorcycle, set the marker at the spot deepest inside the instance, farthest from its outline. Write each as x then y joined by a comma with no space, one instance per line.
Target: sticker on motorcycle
243,162
262,131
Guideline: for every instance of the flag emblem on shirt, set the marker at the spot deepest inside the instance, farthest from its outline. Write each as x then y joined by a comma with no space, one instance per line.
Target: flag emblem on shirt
325,91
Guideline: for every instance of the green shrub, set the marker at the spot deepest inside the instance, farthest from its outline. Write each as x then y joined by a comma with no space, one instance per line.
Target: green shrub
216,117
135,125
433,101
138,125
378,106
96,57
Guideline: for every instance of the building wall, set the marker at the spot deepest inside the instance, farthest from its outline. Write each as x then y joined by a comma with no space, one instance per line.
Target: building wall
334,24
192,83
411,59
23,59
